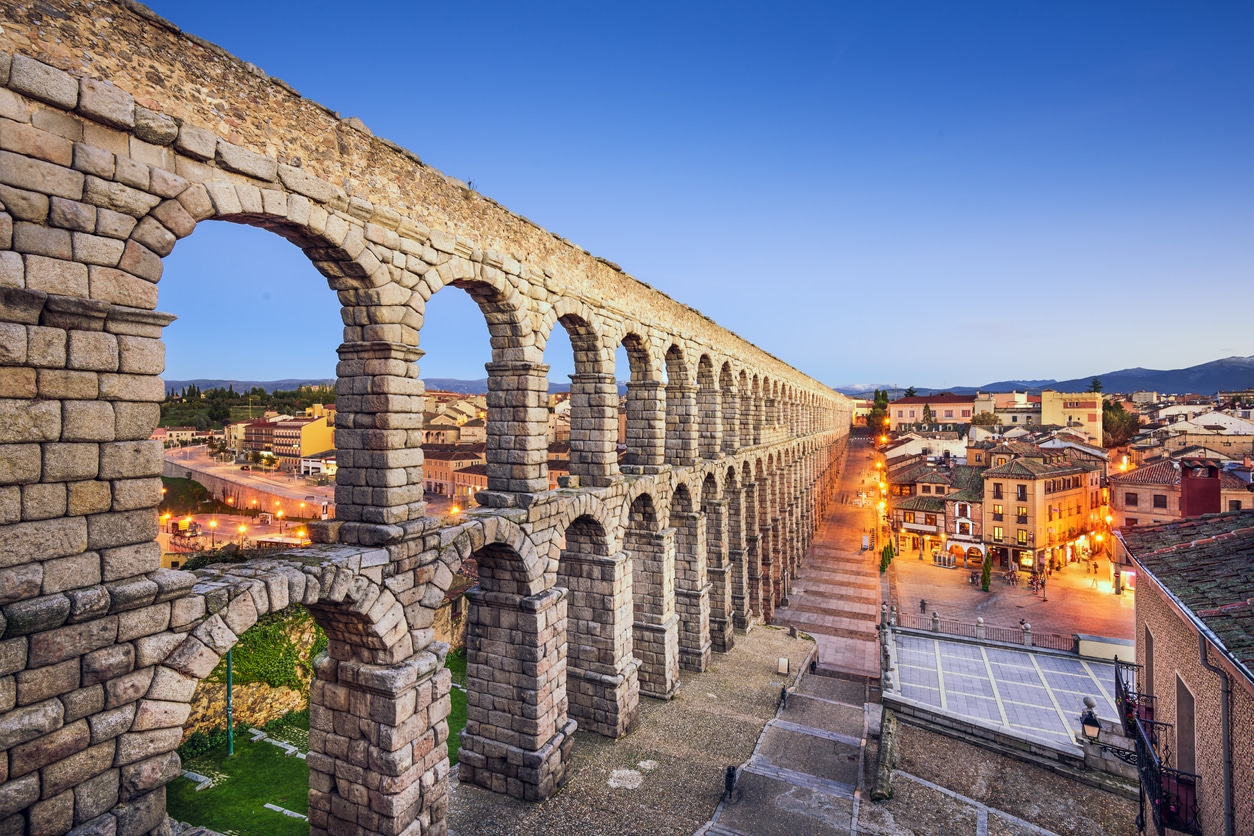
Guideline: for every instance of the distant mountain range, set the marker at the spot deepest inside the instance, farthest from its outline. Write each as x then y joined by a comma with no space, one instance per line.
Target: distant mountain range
1205,379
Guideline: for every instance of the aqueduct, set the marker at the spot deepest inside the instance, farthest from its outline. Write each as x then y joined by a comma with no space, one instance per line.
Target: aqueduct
119,135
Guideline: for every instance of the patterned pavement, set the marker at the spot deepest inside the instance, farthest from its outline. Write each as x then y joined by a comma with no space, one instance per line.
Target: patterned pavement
1036,695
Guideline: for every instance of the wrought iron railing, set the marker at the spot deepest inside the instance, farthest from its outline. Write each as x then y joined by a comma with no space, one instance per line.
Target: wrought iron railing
1171,793
988,632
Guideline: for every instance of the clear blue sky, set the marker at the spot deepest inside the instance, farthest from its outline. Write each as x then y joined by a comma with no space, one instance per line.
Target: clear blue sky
934,194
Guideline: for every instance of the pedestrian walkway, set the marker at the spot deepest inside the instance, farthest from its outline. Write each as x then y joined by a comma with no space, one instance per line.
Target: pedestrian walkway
1023,693
836,596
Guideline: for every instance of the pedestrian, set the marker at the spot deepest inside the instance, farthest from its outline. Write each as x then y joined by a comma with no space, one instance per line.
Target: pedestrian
923,605
1093,585
1021,623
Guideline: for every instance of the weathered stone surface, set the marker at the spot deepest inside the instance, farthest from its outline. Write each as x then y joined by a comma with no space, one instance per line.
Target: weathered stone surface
30,722
35,685
105,103
234,158
36,614
147,775
127,688
107,663
39,81
77,768
54,746
70,642
29,421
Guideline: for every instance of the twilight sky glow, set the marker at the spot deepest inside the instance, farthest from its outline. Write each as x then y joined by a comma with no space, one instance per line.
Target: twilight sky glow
935,194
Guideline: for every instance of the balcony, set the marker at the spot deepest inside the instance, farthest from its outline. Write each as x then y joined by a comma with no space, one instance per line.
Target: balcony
1171,793
1021,519
999,517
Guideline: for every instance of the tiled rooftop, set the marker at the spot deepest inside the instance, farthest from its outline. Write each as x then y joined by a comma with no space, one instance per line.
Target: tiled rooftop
1208,563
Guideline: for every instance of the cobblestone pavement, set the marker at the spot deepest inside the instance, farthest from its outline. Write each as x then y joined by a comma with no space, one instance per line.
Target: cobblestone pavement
667,776
1035,695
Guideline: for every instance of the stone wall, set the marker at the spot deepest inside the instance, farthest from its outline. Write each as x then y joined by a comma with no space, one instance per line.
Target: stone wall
119,134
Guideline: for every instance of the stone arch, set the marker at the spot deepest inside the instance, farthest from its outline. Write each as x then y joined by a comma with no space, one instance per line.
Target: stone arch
593,395
692,592
646,408
366,686
681,409
738,567
517,460
602,684
655,635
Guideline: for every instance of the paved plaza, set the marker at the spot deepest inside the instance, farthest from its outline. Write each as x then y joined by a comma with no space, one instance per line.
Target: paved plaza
1028,694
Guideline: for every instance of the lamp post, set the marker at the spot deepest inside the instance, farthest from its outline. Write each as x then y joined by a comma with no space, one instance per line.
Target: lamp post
213,531
242,530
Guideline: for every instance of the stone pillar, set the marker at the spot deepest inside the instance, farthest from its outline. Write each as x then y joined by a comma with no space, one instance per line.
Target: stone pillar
593,429
722,638
517,738
710,416
756,420
601,678
692,592
646,427
730,441
518,414
378,753
753,559
681,424
766,582
655,630
747,419
378,440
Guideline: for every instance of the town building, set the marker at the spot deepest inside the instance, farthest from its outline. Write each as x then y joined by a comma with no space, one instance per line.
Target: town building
1170,490
299,437
941,409
1188,702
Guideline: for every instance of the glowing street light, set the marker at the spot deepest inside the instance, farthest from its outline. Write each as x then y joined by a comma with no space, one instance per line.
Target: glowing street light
242,530
213,530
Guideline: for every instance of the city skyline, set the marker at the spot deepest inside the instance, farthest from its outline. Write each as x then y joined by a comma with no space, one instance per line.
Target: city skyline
943,196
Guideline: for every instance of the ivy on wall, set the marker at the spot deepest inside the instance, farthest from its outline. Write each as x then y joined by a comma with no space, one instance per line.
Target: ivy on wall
278,651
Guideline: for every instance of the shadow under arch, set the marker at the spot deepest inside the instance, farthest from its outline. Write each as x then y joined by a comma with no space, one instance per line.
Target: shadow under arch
692,587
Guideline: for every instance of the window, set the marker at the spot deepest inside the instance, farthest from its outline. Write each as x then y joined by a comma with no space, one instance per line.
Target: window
998,533
929,519
979,457
1186,754
1131,521
964,528
1021,493
949,413
927,489
1023,537
1160,500
1149,661
966,413
909,516
912,413
997,490
1234,505
997,513
940,490
1130,499
899,413
1021,514
964,510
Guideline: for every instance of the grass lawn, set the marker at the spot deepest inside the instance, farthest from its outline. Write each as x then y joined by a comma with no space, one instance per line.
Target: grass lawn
456,662
258,773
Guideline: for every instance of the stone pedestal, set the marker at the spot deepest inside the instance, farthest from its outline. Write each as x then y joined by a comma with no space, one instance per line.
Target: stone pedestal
378,755
646,426
692,591
518,417
517,738
655,629
681,424
601,679
378,439
593,429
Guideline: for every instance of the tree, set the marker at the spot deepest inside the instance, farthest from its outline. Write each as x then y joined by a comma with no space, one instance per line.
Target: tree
910,393
1095,385
928,417
1118,425
984,419
986,573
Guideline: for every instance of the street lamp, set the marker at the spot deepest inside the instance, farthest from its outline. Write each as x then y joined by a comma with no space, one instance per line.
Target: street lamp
242,529
213,530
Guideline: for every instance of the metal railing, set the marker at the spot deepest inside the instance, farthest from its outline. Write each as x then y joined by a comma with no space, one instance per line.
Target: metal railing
980,631
1172,793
